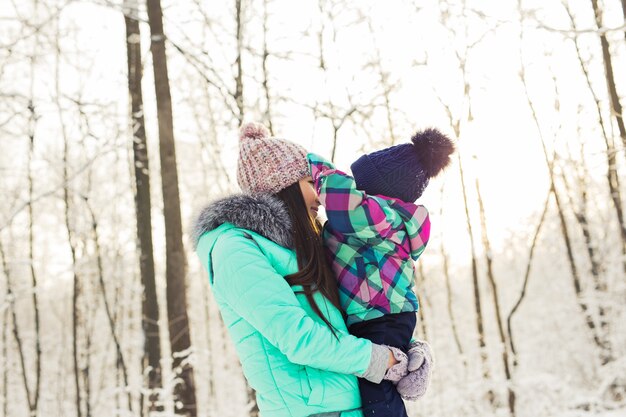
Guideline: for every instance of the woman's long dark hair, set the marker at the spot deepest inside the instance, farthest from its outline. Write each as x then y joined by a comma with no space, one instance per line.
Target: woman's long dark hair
314,271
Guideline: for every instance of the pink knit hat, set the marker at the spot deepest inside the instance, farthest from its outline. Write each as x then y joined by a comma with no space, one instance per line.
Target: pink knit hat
268,165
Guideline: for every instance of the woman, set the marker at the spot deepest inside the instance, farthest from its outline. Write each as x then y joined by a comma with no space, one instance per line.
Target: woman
276,292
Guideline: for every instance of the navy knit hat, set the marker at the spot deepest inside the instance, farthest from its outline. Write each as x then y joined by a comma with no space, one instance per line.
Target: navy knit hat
403,171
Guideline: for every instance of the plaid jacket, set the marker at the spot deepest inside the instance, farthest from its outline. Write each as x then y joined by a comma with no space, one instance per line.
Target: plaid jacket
372,242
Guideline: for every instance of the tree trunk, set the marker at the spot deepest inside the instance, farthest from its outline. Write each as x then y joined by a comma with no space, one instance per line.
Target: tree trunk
120,363
617,111
178,322
600,289
32,126
446,275
76,287
75,307
496,301
210,353
420,285
150,308
624,13
476,288
533,245
334,150
85,374
5,333
616,107
118,319
18,340
266,54
612,180
239,76
5,362
252,404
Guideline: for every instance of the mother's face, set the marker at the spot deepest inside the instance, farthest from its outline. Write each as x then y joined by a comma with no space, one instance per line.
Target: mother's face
310,196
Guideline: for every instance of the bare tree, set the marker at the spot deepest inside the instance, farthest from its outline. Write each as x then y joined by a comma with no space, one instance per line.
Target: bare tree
455,123
238,63
618,113
32,393
210,353
476,285
575,274
265,56
213,169
337,114
5,332
76,289
496,298
32,125
446,275
120,362
613,181
16,330
581,216
384,80
522,295
143,206
616,107
232,98
71,238
178,321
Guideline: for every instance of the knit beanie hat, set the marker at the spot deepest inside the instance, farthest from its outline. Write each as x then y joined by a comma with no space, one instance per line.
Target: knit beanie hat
268,165
403,171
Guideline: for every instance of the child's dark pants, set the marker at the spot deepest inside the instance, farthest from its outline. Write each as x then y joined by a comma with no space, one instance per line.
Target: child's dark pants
383,400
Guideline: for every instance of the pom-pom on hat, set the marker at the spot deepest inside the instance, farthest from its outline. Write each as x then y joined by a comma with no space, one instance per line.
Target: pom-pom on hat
267,164
403,171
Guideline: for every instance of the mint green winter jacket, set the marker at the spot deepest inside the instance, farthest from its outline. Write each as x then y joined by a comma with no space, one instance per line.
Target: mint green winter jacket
288,354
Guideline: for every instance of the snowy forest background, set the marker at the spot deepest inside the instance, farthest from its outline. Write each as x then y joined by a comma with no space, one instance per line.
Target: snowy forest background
522,286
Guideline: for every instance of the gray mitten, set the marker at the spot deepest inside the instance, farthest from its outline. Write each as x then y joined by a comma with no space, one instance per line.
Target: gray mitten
417,354
413,386
399,370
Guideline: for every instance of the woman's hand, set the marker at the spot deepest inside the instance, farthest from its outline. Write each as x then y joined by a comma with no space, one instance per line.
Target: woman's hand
396,365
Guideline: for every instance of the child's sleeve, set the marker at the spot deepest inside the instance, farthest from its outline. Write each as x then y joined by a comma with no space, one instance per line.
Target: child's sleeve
352,212
417,225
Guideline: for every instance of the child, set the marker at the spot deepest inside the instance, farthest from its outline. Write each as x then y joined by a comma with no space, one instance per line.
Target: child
373,234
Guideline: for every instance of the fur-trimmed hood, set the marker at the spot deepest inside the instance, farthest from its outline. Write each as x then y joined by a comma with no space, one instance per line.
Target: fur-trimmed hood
261,213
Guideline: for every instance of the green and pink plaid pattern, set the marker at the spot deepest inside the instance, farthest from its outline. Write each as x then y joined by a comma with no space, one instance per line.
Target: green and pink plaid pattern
372,242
